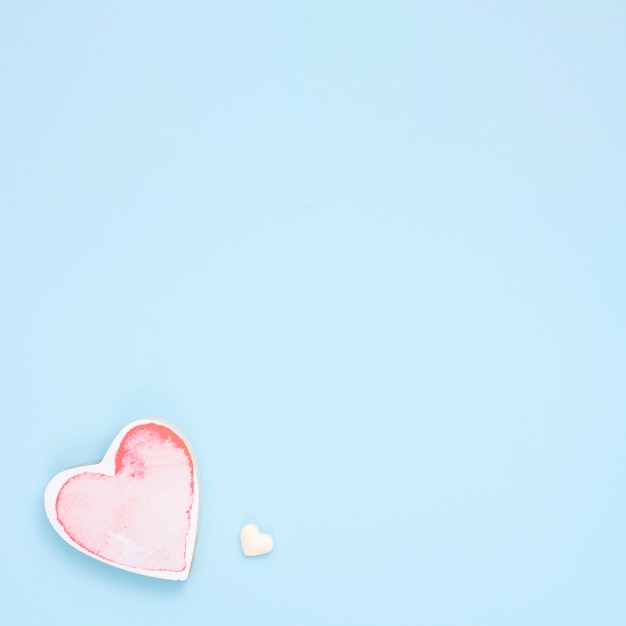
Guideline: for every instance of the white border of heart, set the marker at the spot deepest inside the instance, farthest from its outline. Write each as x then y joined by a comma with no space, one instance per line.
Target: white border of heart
107,466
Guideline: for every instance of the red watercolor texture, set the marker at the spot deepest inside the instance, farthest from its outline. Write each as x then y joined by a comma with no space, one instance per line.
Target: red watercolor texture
140,517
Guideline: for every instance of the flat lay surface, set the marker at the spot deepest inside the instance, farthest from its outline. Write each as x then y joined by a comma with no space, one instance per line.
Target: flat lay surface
369,257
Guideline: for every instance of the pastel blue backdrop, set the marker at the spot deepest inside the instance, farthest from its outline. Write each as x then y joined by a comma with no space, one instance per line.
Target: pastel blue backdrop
369,256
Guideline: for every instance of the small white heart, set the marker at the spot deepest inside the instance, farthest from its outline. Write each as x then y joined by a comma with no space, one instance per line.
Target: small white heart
254,542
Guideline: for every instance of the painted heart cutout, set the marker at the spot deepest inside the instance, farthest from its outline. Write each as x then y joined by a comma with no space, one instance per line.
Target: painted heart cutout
138,508
254,542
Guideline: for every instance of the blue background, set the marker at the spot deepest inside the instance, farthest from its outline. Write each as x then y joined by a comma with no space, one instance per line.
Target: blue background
369,256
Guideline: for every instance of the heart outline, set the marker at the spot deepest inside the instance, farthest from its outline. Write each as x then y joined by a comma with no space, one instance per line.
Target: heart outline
107,467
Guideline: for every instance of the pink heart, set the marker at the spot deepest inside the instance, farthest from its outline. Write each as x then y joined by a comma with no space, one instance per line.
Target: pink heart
138,508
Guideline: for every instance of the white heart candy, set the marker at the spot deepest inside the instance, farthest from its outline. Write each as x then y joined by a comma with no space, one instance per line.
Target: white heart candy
254,542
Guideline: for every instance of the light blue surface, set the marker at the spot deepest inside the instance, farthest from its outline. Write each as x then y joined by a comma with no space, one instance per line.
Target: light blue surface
370,257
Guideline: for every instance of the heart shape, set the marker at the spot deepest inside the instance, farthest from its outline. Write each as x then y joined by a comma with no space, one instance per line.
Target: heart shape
254,542
138,508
